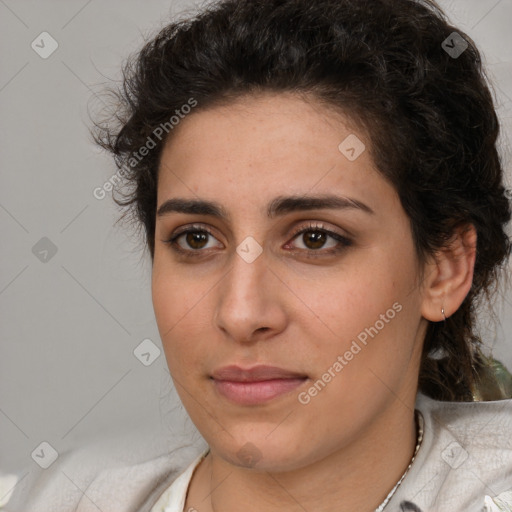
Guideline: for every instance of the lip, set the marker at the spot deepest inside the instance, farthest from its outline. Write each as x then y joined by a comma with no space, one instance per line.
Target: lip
258,373
256,385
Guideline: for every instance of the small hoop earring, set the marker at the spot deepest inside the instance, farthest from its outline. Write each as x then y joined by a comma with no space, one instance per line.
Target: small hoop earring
444,316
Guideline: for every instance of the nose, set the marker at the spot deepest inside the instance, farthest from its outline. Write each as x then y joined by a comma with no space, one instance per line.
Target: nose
250,302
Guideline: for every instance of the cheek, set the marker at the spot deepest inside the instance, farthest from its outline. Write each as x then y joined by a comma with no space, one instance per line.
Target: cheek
343,303
367,311
177,307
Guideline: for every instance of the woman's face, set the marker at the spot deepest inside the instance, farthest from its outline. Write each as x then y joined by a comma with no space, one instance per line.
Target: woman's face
298,256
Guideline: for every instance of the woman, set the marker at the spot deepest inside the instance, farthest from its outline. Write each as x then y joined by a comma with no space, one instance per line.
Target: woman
323,204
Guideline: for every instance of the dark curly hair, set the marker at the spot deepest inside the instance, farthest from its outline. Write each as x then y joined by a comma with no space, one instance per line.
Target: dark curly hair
393,66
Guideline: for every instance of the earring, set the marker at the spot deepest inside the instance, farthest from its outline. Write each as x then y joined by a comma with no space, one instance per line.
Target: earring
444,316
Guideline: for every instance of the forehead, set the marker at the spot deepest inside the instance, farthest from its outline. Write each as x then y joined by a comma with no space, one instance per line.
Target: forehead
268,145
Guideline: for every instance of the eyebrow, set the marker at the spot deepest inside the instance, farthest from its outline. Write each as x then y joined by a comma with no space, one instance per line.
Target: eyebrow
279,206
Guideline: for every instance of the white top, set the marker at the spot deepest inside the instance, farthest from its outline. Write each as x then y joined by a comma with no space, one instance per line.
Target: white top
173,499
464,464
448,473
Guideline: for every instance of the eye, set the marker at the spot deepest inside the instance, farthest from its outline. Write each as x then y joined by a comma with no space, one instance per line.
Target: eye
192,240
315,236
195,238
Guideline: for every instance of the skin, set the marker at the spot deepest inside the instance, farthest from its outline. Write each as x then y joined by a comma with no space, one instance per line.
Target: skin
350,444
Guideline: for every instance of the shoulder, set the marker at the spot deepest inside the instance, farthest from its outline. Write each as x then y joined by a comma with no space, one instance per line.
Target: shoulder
500,410
466,455
481,425
97,476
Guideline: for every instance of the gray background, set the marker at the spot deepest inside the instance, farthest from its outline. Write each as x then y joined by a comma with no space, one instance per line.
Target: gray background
70,324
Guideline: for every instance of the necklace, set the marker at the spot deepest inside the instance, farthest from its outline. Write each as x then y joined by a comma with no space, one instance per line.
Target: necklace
419,428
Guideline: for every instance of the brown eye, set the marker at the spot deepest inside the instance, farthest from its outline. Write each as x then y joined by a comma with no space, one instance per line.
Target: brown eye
196,239
314,238
191,241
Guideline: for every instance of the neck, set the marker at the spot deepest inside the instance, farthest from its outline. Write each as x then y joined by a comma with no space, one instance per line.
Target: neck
357,476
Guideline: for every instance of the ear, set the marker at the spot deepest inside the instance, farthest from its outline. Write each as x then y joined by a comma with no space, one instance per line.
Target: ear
450,275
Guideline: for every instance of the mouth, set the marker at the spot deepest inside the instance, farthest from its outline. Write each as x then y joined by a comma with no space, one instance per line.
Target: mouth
256,385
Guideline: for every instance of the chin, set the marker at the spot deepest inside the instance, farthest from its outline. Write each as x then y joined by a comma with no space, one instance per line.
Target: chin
261,452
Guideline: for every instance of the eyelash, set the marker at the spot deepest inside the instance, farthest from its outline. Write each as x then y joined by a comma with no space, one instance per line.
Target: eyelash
343,241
